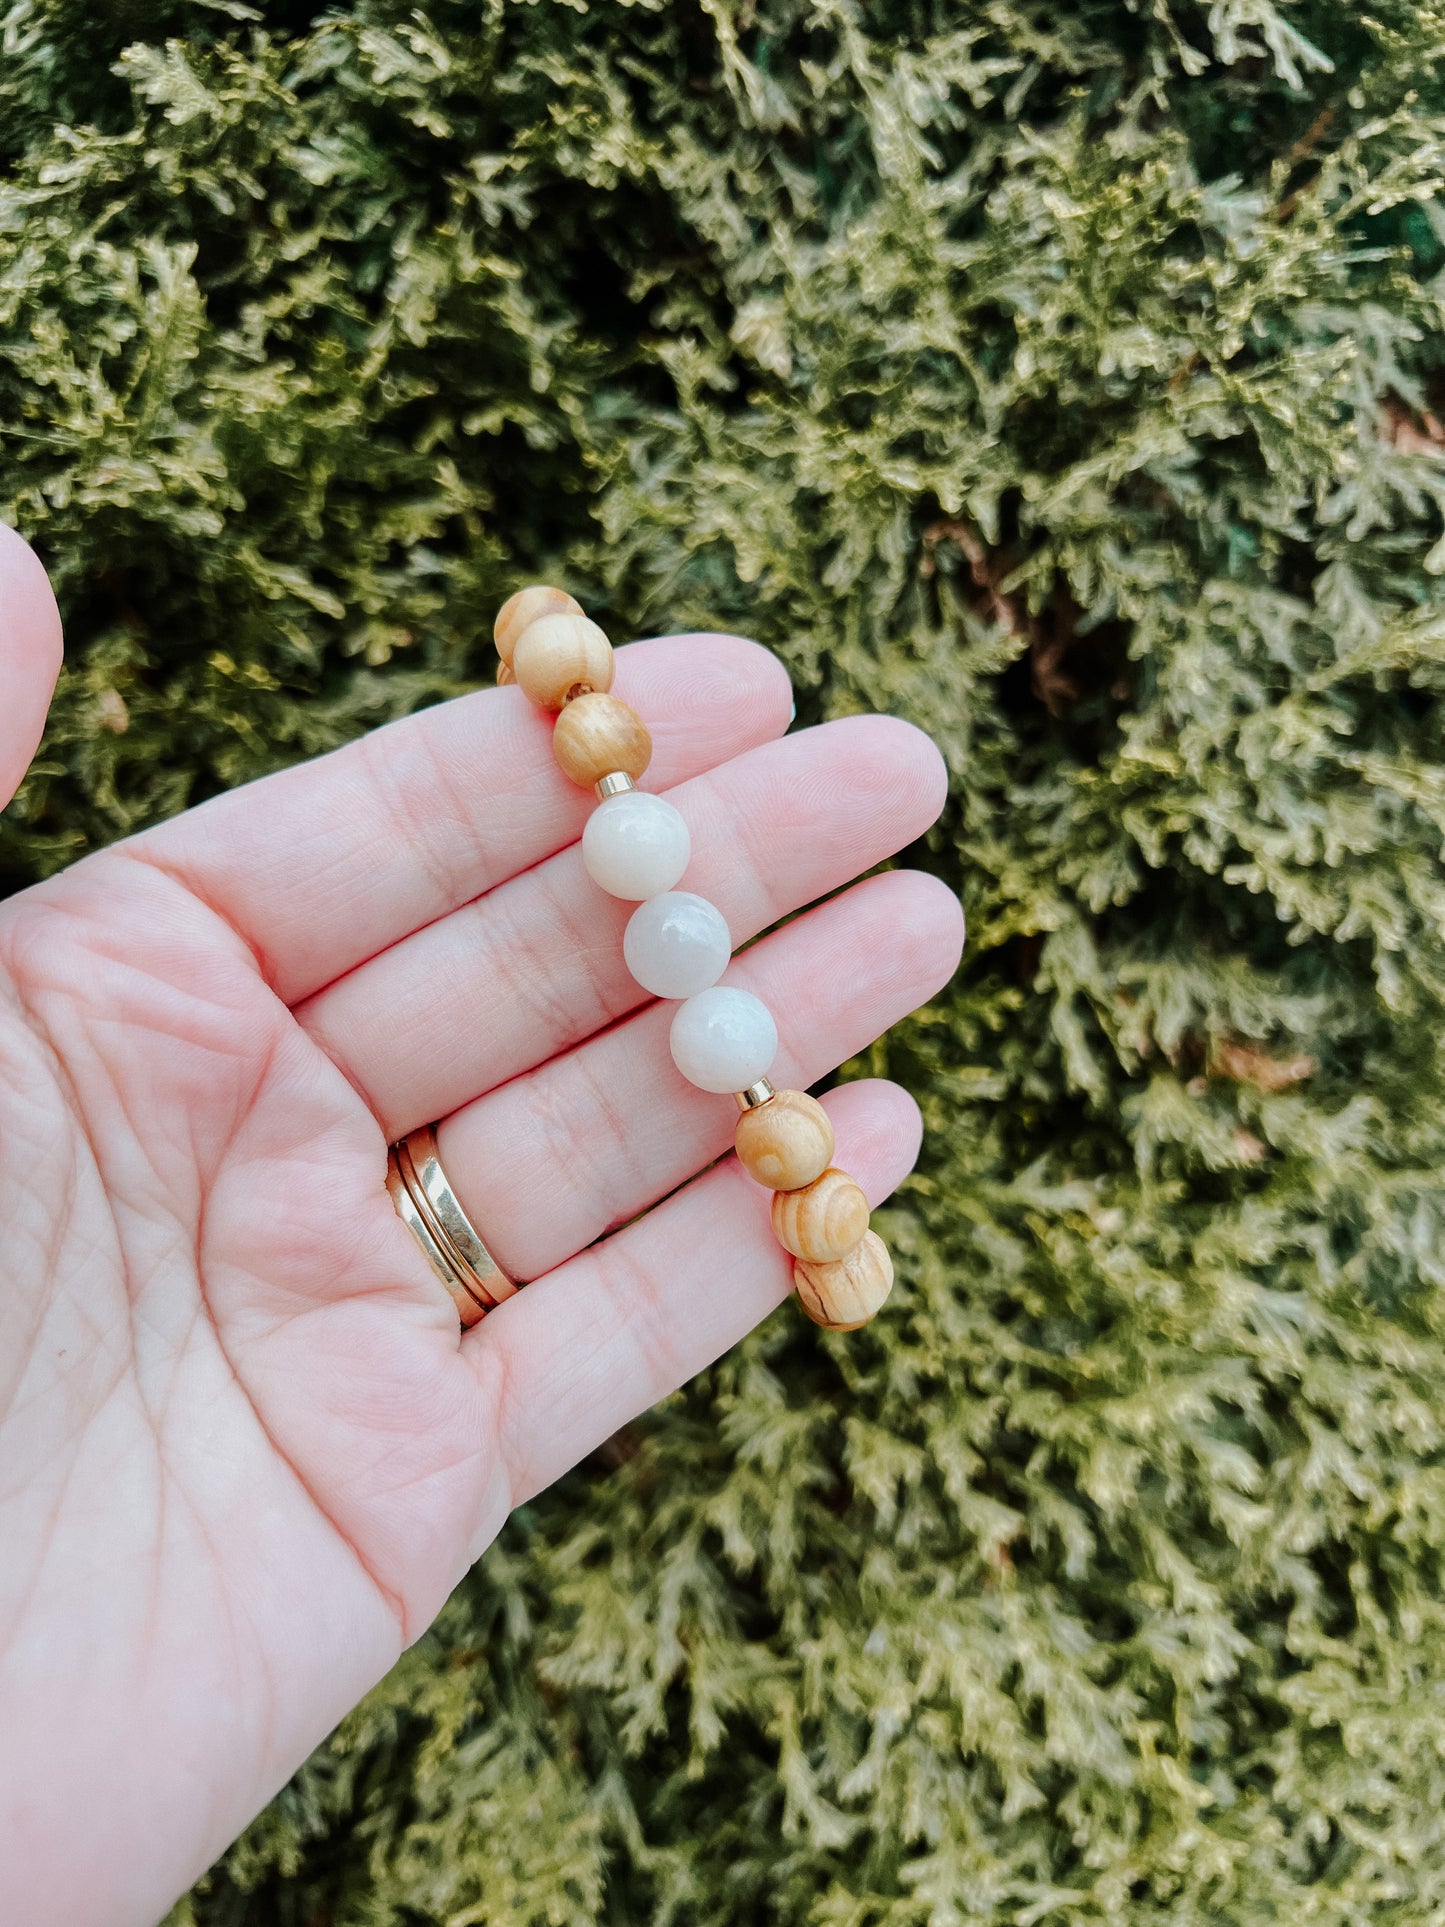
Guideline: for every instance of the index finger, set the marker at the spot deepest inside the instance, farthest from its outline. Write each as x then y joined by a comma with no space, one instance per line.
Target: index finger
322,866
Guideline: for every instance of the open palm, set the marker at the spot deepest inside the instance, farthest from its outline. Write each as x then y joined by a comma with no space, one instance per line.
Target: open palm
244,1452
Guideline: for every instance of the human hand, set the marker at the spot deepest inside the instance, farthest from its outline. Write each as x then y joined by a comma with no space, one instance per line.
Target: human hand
244,1452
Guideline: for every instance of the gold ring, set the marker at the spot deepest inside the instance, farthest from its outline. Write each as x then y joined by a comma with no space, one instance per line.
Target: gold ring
450,1242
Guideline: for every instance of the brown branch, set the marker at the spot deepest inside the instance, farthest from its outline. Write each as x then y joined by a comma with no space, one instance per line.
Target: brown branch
1247,1063
1308,141
1046,651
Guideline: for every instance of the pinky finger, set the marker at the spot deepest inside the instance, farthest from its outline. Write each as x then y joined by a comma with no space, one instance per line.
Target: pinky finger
609,1333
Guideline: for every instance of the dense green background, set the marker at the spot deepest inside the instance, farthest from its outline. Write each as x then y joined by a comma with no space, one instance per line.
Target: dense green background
1058,375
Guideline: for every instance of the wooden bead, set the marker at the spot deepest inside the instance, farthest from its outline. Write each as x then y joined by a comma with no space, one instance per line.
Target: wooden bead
785,1143
519,611
823,1221
559,654
845,1294
504,674
597,736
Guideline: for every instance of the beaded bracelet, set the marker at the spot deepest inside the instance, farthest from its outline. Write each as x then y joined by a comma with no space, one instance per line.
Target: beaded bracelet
677,945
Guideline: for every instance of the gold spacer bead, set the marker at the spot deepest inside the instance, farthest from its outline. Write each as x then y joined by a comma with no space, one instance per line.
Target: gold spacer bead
613,785
760,1093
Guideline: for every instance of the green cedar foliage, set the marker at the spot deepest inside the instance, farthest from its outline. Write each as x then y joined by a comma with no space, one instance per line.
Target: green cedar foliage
1060,376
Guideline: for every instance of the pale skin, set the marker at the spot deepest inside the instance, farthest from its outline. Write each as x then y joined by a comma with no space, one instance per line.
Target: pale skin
245,1452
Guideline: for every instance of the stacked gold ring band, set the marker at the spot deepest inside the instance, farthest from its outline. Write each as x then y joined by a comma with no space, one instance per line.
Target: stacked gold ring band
449,1240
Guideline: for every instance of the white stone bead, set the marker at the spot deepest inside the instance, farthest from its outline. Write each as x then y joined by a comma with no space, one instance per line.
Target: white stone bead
635,845
723,1039
677,945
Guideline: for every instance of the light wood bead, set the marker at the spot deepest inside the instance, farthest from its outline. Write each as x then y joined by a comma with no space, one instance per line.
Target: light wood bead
599,736
504,674
823,1221
845,1294
557,654
785,1143
527,606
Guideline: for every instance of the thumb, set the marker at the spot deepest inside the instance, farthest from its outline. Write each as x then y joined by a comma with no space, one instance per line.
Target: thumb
30,651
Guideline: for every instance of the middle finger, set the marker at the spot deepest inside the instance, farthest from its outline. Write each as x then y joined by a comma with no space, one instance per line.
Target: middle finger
536,965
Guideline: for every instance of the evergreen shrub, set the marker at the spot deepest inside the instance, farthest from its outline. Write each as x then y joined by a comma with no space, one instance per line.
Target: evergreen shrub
1062,376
